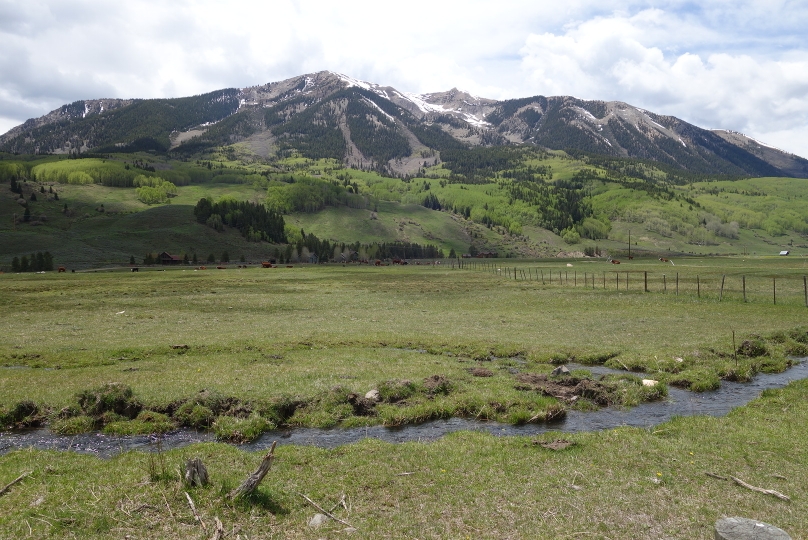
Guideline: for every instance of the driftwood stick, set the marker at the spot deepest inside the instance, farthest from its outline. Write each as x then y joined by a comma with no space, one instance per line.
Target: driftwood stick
340,503
219,534
708,473
251,483
15,481
193,509
325,512
760,490
170,513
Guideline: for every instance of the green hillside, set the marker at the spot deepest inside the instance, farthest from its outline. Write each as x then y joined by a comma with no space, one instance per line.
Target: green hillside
514,201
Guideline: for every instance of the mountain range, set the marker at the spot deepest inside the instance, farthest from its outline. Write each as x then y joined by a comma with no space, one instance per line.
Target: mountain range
365,125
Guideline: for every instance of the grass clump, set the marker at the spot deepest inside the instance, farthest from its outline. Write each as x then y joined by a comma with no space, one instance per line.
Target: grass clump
74,425
145,423
111,397
241,430
395,391
22,414
194,415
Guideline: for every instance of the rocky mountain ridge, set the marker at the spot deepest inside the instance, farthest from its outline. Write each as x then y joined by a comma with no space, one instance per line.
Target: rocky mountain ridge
363,124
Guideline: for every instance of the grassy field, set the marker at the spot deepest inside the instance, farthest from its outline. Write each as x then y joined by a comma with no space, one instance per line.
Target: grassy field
314,334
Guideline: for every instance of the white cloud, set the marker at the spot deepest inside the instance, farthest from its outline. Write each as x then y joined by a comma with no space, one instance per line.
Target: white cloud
623,58
738,64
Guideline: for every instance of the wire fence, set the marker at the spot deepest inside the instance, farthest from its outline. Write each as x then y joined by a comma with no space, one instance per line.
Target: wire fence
731,287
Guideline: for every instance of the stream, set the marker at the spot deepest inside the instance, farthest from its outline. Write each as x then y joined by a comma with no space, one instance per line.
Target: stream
678,403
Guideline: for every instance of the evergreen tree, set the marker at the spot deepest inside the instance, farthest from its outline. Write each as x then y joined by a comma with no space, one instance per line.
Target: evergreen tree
40,262
194,260
185,259
211,258
24,267
33,196
132,260
27,215
225,257
48,262
15,264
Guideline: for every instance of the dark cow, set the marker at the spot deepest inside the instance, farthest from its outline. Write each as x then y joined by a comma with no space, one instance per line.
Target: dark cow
135,269
614,261
61,269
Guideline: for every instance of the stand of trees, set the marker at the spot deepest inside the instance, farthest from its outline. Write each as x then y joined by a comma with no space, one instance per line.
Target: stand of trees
39,262
253,221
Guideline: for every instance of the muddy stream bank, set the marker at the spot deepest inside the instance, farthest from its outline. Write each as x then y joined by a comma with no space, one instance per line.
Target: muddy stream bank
679,403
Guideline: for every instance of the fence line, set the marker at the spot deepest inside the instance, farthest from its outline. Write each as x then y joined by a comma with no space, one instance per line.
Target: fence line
710,286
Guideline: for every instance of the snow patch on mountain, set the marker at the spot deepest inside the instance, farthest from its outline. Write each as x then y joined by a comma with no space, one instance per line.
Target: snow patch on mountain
422,104
350,81
370,102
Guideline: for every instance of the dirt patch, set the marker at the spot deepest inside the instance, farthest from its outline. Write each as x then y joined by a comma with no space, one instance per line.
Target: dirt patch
558,444
438,384
481,372
566,388
362,406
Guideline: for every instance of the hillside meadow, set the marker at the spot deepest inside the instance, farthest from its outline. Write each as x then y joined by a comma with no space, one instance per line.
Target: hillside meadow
521,202
313,334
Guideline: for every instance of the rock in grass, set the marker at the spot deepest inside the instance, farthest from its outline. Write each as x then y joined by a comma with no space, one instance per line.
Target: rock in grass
317,521
560,370
649,382
373,395
736,528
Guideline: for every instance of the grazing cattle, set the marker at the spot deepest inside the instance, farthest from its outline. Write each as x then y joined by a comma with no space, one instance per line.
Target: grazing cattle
631,257
62,269
203,267
614,261
397,261
663,259
135,269
266,264
221,268
289,266
378,262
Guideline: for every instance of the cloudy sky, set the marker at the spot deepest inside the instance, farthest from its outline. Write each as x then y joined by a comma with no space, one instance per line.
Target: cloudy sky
739,64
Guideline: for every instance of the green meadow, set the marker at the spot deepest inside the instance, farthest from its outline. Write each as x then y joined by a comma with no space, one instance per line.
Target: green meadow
290,345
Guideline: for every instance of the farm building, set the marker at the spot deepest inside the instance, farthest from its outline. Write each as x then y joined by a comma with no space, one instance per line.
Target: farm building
166,258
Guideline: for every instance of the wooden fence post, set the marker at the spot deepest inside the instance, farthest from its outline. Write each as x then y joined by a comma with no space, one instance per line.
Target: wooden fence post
774,290
542,277
575,279
698,287
677,283
721,294
664,284
805,289
646,281
744,289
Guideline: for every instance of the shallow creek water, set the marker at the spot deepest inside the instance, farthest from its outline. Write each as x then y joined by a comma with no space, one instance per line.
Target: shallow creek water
678,403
